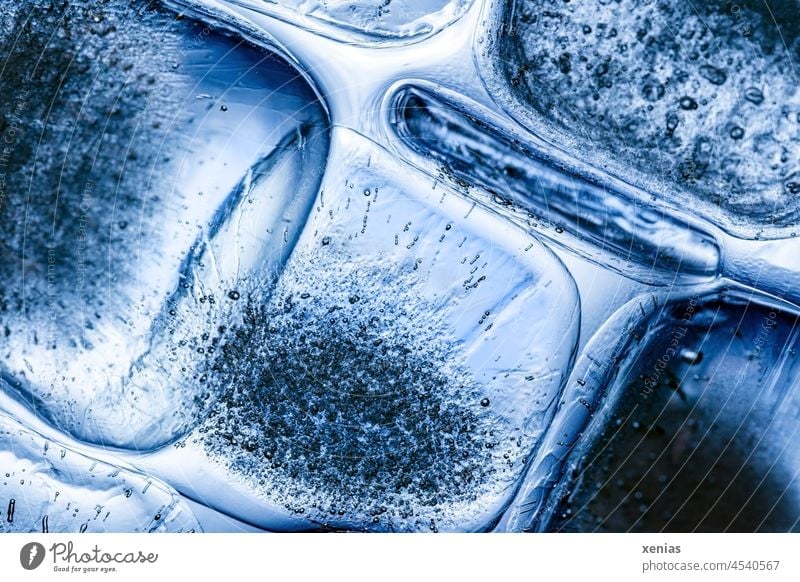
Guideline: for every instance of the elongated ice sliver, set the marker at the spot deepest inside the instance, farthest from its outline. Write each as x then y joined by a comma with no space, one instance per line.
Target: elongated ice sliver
244,250
604,220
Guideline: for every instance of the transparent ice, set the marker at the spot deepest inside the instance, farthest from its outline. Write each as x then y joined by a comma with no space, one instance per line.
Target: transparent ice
431,317
48,487
397,375
698,430
152,153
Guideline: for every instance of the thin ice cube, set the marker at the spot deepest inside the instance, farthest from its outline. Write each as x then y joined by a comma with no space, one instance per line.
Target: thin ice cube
601,219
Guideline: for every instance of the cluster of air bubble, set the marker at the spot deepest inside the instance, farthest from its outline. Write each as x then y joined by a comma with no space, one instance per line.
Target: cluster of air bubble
351,405
45,487
688,99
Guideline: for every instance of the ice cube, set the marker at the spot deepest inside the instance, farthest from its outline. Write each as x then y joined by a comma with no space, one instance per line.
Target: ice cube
46,487
128,127
398,375
699,427
363,21
696,103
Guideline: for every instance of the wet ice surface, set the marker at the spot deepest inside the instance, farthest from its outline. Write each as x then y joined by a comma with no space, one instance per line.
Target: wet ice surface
45,487
244,246
692,101
387,353
600,219
373,20
699,429
130,133
398,374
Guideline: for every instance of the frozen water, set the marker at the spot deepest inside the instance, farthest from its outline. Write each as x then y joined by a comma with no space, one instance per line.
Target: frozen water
696,102
603,220
377,343
133,138
244,246
45,487
364,20
399,373
699,427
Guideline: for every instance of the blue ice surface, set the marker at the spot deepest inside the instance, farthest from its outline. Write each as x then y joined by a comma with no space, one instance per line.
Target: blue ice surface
345,345
399,372
691,405
188,139
50,488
